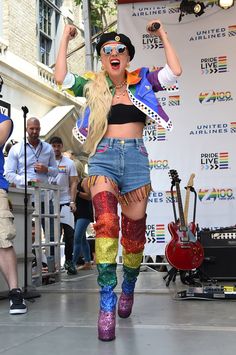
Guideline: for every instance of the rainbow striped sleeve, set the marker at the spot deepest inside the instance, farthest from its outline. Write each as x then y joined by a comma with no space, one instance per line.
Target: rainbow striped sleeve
80,81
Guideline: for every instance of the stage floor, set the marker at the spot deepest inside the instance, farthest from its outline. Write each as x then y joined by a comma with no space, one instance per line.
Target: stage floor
63,321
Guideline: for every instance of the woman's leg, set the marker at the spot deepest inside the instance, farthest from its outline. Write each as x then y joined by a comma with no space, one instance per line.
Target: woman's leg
106,249
80,233
133,240
68,238
80,229
86,249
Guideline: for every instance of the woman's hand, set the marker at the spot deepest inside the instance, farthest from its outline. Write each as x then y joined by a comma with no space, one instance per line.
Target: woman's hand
60,72
171,56
160,32
70,32
73,207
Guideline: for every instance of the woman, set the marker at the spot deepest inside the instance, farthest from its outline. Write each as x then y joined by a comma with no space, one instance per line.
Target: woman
117,105
83,216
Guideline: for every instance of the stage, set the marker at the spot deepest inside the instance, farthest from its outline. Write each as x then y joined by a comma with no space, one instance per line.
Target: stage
63,321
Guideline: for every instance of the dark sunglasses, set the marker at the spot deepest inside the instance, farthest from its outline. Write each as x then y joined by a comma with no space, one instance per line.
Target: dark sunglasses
119,48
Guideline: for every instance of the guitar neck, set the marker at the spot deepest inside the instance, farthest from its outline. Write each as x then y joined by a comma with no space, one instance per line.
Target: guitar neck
180,206
186,206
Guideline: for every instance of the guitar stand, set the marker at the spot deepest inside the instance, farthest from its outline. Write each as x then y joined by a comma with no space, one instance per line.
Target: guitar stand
173,202
187,277
170,276
203,276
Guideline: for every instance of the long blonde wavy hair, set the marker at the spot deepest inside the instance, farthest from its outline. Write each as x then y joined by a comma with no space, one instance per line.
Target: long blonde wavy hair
98,100
80,169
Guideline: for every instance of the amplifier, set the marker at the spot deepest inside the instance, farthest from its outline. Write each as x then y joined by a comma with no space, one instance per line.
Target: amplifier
219,254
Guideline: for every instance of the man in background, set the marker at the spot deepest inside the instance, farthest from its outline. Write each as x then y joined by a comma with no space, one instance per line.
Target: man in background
8,261
67,179
40,163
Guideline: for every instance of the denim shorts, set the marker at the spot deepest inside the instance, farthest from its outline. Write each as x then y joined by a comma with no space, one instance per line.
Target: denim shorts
125,161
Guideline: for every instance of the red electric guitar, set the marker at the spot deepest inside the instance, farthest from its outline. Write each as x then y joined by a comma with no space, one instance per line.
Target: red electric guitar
184,251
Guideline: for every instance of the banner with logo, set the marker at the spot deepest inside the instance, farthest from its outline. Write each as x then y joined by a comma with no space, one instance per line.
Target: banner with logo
5,108
202,108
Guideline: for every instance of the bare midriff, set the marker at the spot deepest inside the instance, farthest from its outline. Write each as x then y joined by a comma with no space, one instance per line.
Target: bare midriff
126,130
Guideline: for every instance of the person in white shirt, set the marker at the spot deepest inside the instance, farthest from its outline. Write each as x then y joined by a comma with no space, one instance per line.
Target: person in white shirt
40,162
67,179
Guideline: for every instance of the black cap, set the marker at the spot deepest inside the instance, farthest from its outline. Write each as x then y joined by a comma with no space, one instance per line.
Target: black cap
117,37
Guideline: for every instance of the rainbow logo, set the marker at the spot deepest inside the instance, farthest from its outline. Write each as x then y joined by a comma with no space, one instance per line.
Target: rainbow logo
213,65
214,161
62,169
213,194
222,64
224,160
154,133
158,164
232,30
174,10
174,100
169,196
207,97
207,195
160,233
233,127
210,97
161,134
202,96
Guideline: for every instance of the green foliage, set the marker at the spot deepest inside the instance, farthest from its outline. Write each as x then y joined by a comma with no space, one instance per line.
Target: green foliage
99,11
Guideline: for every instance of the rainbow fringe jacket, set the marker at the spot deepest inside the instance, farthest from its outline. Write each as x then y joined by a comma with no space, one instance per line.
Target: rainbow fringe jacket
141,86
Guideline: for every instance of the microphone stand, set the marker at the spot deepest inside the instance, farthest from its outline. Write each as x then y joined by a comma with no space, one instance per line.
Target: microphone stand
28,294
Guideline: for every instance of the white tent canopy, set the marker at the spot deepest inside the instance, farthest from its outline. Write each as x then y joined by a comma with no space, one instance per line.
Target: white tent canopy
58,121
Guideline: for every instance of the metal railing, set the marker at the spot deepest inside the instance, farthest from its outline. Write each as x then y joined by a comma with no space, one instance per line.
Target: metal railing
47,232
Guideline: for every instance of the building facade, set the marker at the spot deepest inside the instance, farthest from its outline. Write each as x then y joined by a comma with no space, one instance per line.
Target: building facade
30,32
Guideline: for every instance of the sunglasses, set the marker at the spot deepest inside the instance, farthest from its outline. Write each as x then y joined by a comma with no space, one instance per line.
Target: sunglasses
119,48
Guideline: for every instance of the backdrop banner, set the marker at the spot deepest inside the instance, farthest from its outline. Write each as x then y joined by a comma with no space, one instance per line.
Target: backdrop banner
202,108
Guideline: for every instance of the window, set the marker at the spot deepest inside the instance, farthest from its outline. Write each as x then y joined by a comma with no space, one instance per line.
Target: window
49,19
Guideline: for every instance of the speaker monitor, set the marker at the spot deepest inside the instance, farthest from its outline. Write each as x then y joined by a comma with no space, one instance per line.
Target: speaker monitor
219,255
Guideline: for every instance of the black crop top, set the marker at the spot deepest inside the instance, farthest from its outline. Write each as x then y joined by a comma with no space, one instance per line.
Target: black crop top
121,113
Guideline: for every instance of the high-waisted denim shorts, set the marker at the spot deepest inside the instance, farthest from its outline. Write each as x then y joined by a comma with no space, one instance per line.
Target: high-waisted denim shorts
125,161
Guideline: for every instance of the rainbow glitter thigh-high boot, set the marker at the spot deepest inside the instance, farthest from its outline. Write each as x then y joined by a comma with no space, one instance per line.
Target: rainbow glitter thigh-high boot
133,240
106,249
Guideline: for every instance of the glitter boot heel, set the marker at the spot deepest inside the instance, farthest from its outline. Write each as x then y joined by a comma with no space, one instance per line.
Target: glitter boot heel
106,325
125,305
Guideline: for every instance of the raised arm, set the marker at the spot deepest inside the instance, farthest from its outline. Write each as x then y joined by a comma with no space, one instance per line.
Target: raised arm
171,56
61,63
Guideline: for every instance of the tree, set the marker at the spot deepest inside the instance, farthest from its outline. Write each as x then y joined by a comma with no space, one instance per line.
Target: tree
99,11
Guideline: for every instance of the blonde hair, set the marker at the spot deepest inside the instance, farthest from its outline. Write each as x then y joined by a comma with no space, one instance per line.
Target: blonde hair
80,169
69,154
99,99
